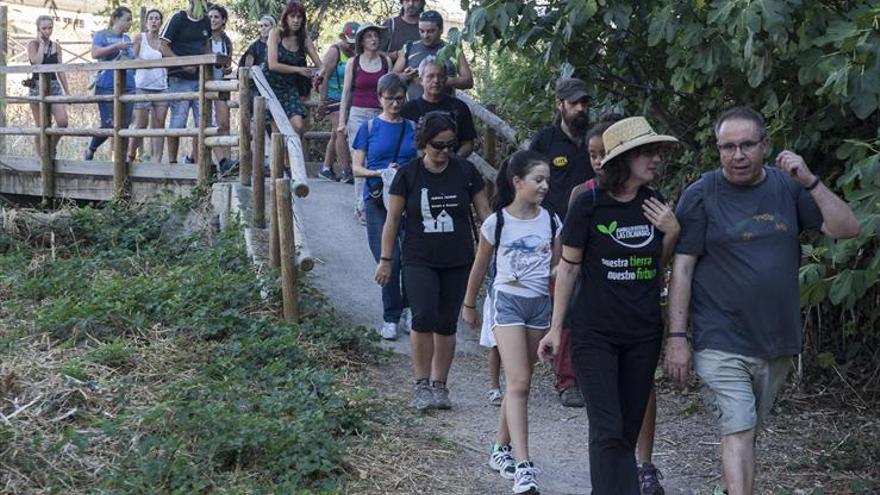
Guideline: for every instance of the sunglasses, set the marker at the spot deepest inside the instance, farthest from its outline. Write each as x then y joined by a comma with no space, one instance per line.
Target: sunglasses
443,145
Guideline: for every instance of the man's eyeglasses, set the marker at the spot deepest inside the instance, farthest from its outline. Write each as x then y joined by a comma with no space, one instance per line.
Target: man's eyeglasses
394,99
747,147
443,145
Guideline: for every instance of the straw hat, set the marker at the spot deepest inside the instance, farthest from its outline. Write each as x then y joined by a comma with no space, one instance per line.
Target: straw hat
630,133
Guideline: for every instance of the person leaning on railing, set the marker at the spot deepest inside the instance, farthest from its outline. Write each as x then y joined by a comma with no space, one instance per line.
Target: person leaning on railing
149,82
221,45
110,45
43,50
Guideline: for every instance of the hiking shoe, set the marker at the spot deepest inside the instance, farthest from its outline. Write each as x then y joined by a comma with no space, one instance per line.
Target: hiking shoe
361,217
501,460
388,331
89,155
406,320
524,480
719,490
649,479
495,396
571,397
189,160
423,395
327,174
347,178
441,395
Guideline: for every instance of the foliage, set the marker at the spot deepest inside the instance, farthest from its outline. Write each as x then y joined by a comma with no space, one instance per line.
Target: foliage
249,405
813,68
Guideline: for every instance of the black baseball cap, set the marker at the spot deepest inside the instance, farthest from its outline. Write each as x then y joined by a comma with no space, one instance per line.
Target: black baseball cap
572,89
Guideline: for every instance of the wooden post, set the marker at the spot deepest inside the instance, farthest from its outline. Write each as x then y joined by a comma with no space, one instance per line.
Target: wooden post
244,126
4,46
490,140
259,182
47,162
204,119
277,162
284,209
120,172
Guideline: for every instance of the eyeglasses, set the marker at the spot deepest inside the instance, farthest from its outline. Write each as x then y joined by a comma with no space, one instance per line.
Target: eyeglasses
443,145
394,99
747,147
650,149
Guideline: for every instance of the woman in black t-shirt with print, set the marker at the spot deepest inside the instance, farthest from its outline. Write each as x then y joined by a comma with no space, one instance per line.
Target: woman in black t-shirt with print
618,240
433,196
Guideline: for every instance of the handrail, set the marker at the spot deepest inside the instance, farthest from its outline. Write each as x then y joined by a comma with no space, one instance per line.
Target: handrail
491,120
116,64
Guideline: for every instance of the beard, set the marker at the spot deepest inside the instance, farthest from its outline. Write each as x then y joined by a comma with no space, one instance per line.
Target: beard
578,122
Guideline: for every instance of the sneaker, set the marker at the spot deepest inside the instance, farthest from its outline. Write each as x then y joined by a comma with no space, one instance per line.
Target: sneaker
89,155
495,396
649,479
423,396
361,217
388,331
501,460
189,160
327,174
406,320
719,490
524,480
441,395
347,178
571,397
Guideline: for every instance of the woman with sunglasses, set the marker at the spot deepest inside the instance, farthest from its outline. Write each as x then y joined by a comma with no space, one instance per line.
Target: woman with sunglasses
382,142
617,238
436,192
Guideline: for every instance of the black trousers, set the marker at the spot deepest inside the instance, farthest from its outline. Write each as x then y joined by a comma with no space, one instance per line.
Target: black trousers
616,378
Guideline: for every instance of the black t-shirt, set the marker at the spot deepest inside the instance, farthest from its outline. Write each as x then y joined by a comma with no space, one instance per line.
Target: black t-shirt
414,110
569,165
437,216
620,292
186,37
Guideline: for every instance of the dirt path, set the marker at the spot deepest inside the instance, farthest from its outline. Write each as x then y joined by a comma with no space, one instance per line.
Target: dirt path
558,435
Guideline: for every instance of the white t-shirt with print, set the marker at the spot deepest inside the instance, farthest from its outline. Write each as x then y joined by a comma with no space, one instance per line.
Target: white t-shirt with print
525,253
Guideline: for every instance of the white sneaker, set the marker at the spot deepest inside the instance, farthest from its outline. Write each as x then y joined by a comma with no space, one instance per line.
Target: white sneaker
388,331
406,321
501,460
495,397
524,481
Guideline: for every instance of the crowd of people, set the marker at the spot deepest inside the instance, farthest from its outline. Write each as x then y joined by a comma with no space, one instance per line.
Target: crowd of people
572,250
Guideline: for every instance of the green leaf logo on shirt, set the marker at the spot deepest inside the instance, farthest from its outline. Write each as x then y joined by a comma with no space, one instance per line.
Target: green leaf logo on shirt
607,229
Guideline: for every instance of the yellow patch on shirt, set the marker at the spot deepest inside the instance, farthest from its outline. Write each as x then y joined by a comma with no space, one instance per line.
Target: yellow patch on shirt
560,161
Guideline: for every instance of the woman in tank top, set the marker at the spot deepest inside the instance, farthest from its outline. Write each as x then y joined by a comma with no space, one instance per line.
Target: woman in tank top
220,44
359,100
43,50
335,61
147,82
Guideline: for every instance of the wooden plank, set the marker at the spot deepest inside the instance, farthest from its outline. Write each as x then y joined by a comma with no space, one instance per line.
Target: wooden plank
46,155
121,64
244,127
4,47
165,132
19,131
297,164
204,160
187,95
225,85
303,254
487,170
490,119
277,163
283,207
78,131
225,140
101,169
316,135
68,99
259,159
119,159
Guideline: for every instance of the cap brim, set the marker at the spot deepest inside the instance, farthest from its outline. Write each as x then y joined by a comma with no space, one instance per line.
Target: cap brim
577,96
635,143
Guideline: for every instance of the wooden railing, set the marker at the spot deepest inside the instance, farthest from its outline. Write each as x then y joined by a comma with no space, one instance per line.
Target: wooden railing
493,128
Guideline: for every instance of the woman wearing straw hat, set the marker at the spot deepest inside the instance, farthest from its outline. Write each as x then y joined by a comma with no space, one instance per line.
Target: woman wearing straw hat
618,241
359,101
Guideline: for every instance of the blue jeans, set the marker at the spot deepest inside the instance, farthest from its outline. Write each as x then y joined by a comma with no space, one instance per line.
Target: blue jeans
105,110
393,298
181,108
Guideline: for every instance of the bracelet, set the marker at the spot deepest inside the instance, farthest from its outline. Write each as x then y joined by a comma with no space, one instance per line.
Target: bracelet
570,262
680,335
383,258
468,306
814,184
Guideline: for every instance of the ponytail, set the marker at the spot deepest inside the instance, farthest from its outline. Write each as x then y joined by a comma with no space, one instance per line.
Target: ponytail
519,165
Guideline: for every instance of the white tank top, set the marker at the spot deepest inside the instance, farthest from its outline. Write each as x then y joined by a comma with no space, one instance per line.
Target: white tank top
154,79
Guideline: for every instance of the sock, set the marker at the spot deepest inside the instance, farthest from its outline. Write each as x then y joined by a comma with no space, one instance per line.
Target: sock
437,384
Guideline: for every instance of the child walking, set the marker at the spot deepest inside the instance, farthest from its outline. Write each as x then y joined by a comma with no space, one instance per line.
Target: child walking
520,241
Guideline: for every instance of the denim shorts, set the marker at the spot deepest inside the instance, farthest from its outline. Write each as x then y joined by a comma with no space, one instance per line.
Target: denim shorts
149,105
531,312
180,108
54,88
739,390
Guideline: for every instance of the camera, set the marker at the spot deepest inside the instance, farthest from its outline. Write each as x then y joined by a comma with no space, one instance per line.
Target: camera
29,83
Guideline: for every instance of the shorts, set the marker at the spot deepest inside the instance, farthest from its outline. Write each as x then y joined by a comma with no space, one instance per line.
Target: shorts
149,105
180,108
519,311
739,390
54,88
435,296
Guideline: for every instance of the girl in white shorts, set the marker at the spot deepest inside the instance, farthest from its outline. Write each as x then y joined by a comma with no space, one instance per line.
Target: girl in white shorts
522,236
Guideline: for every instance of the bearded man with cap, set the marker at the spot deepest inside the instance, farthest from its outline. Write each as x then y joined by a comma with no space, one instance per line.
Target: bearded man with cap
617,242
565,143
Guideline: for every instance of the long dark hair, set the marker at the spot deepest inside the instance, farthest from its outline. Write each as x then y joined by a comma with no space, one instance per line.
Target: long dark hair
294,8
518,165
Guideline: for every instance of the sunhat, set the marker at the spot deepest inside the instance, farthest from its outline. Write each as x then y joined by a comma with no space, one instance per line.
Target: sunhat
367,27
630,133
349,31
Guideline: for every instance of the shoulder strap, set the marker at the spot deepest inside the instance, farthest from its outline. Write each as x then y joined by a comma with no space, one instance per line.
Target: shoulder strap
399,142
385,64
553,225
499,224
407,49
